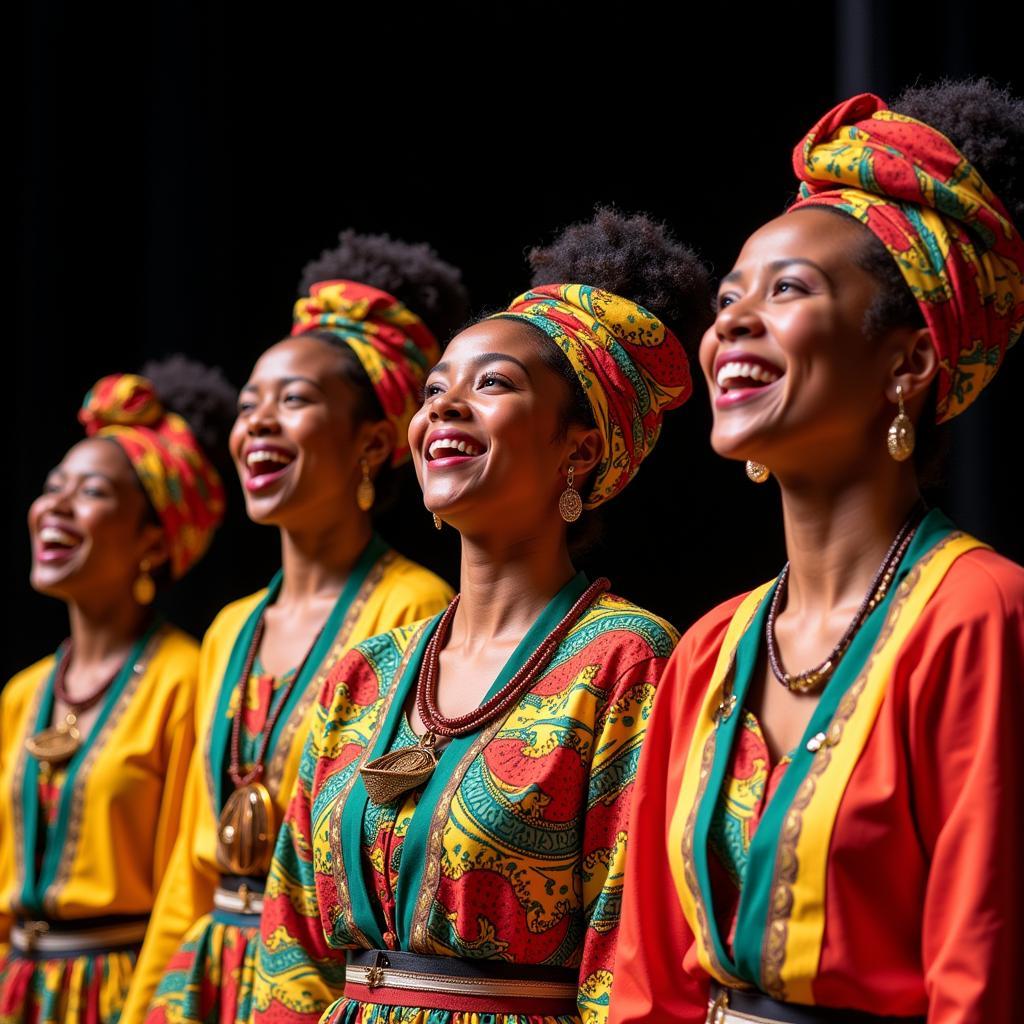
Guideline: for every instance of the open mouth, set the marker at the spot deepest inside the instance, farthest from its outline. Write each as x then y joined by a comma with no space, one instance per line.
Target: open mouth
56,544
741,376
452,448
265,465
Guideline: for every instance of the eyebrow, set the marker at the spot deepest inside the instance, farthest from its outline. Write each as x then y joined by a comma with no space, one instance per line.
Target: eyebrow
285,381
483,359
778,265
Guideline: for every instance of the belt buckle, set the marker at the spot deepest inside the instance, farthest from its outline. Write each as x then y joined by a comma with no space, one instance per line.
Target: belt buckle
375,975
33,930
717,1008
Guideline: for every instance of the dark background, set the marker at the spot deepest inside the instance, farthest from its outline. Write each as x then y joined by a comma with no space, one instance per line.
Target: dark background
176,166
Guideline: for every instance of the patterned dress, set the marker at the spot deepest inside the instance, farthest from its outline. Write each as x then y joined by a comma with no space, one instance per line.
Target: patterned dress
513,851
197,962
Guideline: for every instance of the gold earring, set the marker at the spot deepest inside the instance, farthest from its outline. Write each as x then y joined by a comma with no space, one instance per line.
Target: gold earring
144,589
901,432
365,492
437,521
570,505
757,471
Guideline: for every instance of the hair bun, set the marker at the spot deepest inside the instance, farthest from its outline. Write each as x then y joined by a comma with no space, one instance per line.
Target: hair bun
120,400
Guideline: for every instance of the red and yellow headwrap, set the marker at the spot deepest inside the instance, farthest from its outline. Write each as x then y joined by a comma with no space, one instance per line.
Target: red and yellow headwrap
180,482
393,345
949,234
630,365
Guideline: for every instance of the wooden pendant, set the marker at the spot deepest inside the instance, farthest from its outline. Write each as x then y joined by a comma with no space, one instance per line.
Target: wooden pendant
387,778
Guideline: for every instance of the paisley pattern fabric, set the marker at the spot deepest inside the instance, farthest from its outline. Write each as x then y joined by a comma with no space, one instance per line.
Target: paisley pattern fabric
180,481
66,990
513,851
631,366
950,235
393,345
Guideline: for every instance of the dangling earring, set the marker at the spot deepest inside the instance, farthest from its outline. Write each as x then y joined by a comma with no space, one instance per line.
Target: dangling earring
758,471
437,521
144,589
365,492
570,505
901,432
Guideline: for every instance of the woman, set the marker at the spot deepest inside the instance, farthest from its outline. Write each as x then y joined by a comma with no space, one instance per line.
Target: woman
458,828
320,432
96,738
831,762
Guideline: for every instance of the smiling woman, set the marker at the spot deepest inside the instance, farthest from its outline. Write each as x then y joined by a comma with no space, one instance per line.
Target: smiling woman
96,739
458,830
322,416
830,787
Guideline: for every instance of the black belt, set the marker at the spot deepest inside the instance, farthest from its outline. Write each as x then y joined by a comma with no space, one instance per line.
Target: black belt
393,977
758,1006
49,938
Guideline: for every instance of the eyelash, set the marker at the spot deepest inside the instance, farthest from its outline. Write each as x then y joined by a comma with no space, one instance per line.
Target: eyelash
486,379
725,300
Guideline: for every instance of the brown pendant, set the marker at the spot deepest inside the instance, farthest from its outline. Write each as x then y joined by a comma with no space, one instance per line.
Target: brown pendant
246,832
387,778
56,744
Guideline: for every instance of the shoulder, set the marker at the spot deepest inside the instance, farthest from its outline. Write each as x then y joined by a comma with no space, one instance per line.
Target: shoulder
229,620
981,583
22,685
412,584
177,651
613,618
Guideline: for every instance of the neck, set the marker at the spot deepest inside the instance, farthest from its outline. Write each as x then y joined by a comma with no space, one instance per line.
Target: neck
317,562
105,630
506,584
837,536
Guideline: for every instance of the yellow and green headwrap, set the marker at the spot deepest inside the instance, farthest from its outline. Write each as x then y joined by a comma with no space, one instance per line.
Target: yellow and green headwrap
950,235
180,481
631,367
393,345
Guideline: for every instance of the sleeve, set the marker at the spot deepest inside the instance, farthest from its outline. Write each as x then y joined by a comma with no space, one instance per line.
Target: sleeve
185,894
618,735
179,742
969,802
412,594
297,974
651,982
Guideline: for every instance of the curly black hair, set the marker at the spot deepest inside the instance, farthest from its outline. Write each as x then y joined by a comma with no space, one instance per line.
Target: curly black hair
411,271
415,275
634,256
202,396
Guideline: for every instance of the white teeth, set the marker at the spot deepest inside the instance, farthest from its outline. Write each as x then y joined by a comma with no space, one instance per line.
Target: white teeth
55,535
750,371
449,445
266,455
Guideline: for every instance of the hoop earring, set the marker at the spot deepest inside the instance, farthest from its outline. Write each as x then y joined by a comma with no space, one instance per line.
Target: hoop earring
570,505
144,589
900,439
758,471
365,491
437,521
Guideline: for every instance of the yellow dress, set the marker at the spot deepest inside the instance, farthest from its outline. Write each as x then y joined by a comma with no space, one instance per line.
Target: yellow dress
198,960
96,861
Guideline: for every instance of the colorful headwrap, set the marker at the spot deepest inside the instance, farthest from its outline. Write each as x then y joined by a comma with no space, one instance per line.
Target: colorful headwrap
631,367
950,236
394,346
180,482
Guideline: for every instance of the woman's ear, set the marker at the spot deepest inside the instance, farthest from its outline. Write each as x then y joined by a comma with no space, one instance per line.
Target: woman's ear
377,441
585,450
154,547
915,364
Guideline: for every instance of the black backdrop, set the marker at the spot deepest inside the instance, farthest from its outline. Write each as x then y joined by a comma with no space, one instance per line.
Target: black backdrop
177,163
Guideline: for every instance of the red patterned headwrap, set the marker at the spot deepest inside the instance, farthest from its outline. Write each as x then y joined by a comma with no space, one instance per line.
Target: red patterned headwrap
181,483
393,345
950,235
630,365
